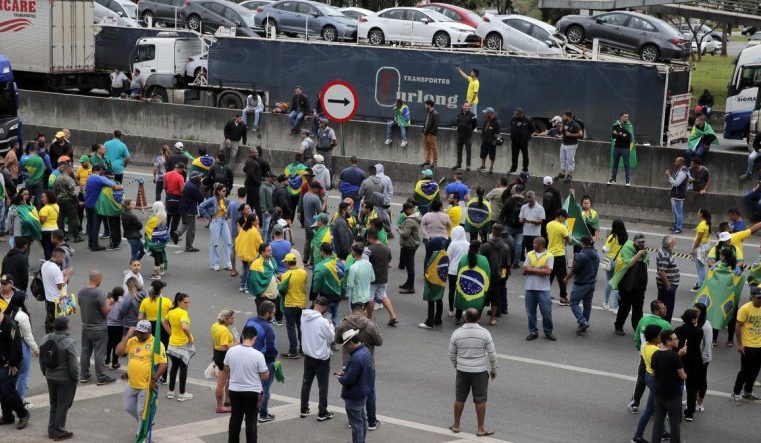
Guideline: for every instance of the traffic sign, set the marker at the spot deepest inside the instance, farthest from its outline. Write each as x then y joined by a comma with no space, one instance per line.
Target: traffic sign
339,101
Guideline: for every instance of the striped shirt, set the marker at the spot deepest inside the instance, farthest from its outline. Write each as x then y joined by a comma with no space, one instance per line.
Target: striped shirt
469,347
666,262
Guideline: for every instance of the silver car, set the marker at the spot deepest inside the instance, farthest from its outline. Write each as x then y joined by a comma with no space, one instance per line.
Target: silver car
299,17
209,15
518,33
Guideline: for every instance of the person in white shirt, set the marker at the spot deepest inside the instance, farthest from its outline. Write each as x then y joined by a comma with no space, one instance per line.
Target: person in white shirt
245,369
531,217
317,334
254,106
54,281
118,80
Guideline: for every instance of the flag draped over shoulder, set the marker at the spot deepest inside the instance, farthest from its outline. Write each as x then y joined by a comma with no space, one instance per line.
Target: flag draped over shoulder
321,235
720,293
628,127
295,174
426,191
149,411
697,134
261,273
575,222
472,283
436,271
30,222
202,164
109,202
477,215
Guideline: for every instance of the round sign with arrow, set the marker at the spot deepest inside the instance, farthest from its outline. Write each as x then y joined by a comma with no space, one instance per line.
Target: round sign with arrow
339,101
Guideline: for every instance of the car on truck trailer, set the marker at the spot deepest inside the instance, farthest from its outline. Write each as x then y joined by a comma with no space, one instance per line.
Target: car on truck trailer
11,128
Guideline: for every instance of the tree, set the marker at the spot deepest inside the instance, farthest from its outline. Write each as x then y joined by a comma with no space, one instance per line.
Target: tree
696,31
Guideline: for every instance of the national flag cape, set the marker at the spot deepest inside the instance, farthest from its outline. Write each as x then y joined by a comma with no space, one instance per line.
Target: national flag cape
109,202
328,276
472,283
202,164
295,174
575,221
720,293
426,191
697,134
30,222
436,272
477,215
321,235
628,127
754,272
149,411
261,272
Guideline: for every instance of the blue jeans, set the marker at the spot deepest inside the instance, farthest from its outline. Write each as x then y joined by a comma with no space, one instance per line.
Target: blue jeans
645,415
677,207
517,234
295,118
700,151
93,226
220,228
136,248
390,130
701,268
753,201
257,113
755,155
333,308
265,226
541,298
244,268
370,404
608,291
2,215
293,326
266,385
358,421
23,373
618,154
582,294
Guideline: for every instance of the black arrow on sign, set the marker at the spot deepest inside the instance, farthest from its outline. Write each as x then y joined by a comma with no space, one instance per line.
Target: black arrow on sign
345,101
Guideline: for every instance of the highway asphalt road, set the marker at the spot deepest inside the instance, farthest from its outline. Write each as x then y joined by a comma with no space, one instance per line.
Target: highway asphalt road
575,389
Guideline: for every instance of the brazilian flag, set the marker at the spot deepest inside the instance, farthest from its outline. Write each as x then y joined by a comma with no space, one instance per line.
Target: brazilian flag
30,222
436,272
472,283
477,216
295,173
202,164
754,273
321,235
149,411
426,191
260,275
109,202
720,293
575,221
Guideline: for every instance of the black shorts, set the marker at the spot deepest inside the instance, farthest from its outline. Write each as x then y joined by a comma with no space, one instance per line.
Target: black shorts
478,382
219,359
488,150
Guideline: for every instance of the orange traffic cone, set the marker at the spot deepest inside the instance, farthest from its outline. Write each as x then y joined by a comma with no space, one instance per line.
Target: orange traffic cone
140,201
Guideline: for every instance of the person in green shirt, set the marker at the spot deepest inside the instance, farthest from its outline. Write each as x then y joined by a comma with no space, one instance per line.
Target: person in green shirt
658,310
360,275
35,167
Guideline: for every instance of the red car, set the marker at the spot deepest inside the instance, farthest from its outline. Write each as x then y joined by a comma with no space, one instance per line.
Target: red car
456,13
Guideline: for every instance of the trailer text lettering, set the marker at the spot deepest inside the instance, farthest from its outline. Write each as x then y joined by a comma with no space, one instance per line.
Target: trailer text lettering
18,5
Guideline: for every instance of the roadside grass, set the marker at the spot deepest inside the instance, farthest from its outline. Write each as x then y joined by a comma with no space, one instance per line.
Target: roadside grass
713,72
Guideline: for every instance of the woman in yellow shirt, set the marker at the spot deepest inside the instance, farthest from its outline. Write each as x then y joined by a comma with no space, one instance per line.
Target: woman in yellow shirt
247,247
49,220
215,209
613,243
149,308
222,339
181,348
700,245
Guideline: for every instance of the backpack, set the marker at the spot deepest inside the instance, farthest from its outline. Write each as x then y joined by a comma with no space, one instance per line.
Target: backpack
37,287
49,354
219,174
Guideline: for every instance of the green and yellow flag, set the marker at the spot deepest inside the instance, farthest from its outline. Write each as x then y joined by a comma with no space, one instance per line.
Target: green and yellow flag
30,222
477,215
426,191
109,202
149,411
720,293
472,284
321,235
628,127
260,275
436,273
575,221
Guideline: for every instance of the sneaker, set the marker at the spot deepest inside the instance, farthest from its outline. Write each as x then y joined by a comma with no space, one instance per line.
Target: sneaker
105,380
407,291
744,176
620,332
304,413
28,404
85,380
450,313
387,142
326,416
636,439
550,337
564,302
605,307
700,408
666,435
756,383
404,143
632,408
424,326
98,248
155,277
373,426
112,248
532,337
278,322
615,311
215,268
628,183
582,328
695,288
241,289
104,236
393,322
735,399
191,249
688,417
751,397
290,356
184,397
611,181
266,418
170,394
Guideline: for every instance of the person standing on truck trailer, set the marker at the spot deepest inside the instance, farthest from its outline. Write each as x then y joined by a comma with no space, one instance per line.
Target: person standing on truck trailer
466,123
299,108
471,96
118,80
430,134
235,133
401,120
572,132
326,141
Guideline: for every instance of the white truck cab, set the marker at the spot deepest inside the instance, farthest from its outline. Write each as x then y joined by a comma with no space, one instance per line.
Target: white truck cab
162,60
741,93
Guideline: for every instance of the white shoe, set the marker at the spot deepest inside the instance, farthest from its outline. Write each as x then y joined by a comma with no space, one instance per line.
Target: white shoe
404,143
424,326
450,313
170,394
605,307
184,397
215,268
756,383
700,408
387,142
615,311
241,289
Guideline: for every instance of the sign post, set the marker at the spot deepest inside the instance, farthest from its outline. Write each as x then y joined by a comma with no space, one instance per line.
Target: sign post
339,102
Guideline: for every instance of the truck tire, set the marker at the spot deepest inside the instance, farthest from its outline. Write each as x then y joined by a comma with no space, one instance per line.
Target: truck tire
230,100
159,92
575,34
271,24
329,34
194,22
442,40
376,37
649,53
493,41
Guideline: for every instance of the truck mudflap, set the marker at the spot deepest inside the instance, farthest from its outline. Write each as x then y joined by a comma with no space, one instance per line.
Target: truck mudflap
736,124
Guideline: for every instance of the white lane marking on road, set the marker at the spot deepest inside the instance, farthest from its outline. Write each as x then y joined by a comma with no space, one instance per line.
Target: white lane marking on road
84,392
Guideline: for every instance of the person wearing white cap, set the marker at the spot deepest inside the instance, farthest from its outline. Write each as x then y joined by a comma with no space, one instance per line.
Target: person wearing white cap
321,172
356,379
489,139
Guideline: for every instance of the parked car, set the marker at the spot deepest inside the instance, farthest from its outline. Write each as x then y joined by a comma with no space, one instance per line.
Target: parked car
356,13
415,25
754,40
123,8
707,43
164,12
651,38
456,13
294,17
254,4
100,12
518,33
715,33
209,15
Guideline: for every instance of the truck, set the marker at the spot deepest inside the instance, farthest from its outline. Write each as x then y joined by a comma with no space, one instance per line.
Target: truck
741,94
11,128
51,44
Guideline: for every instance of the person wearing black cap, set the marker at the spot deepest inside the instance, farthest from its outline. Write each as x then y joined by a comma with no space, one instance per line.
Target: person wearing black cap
61,374
10,361
253,181
93,187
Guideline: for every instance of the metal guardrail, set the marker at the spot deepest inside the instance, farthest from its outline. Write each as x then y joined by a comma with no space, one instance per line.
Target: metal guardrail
752,7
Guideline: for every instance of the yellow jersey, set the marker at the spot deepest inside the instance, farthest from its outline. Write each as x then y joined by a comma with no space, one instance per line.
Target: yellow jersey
150,308
139,366
294,284
50,212
176,317
455,216
647,352
472,94
702,231
750,333
556,234
221,336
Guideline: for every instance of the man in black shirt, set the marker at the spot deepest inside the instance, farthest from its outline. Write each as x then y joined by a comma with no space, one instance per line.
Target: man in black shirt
669,375
253,182
10,362
572,132
16,264
621,134
521,129
430,134
235,134
489,138
466,123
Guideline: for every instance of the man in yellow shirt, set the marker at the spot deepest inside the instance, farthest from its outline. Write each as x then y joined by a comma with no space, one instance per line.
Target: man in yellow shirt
558,237
454,212
748,334
138,345
471,96
293,288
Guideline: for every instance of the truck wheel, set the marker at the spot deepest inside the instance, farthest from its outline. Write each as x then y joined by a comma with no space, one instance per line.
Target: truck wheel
158,93
575,34
649,53
329,34
271,26
230,101
376,37
493,41
441,40
194,23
